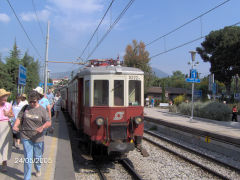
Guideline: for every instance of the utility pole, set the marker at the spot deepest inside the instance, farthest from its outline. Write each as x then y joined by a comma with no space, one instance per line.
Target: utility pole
46,61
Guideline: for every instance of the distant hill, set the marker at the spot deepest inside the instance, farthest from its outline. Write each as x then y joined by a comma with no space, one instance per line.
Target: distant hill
159,73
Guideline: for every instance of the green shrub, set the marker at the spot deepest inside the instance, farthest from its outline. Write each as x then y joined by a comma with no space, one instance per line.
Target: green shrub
173,108
185,108
179,99
210,110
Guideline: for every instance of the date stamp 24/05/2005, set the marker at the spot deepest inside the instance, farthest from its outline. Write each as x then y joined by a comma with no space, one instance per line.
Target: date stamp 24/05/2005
33,160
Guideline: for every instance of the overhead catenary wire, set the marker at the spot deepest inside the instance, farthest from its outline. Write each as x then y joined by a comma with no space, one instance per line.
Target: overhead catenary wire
24,29
40,27
188,22
111,27
184,44
80,57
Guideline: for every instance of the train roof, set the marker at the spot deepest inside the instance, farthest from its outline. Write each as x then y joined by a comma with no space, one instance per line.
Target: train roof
99,70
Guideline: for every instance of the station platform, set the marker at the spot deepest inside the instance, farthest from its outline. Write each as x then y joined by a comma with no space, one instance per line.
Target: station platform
57,157
224,131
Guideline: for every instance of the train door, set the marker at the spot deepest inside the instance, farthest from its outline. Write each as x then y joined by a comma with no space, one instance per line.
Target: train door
80,104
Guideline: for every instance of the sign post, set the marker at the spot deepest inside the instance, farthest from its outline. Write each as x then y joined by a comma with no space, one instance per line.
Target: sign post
193,78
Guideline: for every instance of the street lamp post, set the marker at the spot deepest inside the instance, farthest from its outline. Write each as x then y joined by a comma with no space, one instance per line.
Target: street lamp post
193,54
48,76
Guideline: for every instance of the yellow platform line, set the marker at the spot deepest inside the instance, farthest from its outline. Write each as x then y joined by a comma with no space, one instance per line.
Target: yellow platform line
51,157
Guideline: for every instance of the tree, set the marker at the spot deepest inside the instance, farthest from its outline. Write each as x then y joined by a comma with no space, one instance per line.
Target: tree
178,80
136,56
9,71
5,79
32,71
221,49
12,64
163,91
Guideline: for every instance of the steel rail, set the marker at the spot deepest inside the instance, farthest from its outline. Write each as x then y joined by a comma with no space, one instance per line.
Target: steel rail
193,151
130,169
194,131
188,160
100,173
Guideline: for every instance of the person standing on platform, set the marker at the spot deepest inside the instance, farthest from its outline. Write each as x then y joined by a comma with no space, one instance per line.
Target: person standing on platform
43,101
234,113
152,102
50,98
57,103
5,129
24,99
147,102
33,119
17,106
45,104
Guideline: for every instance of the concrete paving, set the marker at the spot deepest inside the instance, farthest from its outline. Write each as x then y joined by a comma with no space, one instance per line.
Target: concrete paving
228,129
57,157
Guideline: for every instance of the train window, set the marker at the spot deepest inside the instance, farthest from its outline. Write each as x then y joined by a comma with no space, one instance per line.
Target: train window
118,92
87,83
134,97
101,94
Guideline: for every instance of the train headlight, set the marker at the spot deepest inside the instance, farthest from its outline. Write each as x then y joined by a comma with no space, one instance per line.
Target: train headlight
138,120
99,121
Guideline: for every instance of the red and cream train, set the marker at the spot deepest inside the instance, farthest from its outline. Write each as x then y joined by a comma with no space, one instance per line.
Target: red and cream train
105,102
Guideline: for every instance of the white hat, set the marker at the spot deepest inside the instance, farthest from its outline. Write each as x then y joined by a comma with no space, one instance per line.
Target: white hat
39,90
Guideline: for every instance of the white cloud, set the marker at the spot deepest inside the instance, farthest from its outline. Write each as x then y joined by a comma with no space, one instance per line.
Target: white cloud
31,16
72,18
4,18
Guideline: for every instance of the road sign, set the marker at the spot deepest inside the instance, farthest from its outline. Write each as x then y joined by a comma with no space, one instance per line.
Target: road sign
22,75
193,80
42,84
237,96
193,73
214,88
198,93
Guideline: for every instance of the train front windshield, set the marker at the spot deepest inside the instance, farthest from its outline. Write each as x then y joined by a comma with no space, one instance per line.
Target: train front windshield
123,93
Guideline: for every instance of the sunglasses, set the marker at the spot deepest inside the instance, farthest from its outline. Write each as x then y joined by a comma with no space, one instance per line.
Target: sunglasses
33,102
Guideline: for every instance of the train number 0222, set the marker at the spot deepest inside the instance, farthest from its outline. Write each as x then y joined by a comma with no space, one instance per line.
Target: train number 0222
134,78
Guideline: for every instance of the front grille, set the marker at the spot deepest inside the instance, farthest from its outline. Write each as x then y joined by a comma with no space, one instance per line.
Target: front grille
118,131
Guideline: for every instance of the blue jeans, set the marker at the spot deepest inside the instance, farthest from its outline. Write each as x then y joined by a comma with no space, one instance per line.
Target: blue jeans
32,154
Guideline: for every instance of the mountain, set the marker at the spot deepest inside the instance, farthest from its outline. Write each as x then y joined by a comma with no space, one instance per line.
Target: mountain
159,73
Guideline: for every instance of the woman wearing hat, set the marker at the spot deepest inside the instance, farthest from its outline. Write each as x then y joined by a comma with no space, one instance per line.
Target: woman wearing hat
5,129
24,99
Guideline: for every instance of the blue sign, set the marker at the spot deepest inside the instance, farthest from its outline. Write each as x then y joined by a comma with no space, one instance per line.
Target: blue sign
49,84
193,80
198,93
193,73
42,84
22,75
214,88
236,95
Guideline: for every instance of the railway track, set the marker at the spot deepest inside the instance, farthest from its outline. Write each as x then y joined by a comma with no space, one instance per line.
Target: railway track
188,150
125,163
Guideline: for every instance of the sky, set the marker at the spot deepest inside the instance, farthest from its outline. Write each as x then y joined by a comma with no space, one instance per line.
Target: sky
72,23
